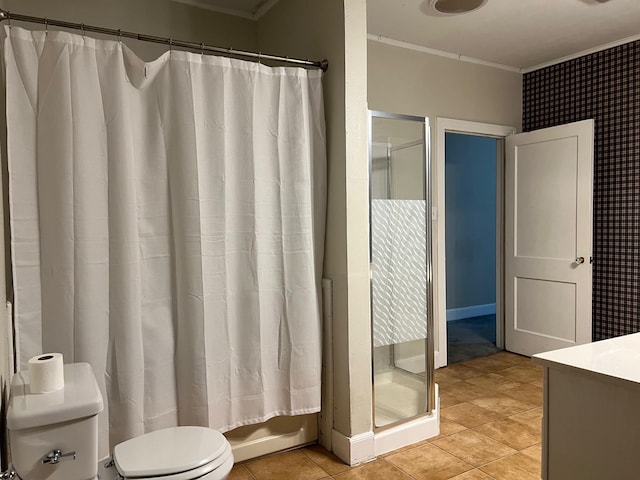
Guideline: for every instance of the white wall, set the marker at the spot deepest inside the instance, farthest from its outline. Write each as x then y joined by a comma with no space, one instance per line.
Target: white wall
357,206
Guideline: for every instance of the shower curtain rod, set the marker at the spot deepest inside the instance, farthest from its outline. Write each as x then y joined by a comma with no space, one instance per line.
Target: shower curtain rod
200,47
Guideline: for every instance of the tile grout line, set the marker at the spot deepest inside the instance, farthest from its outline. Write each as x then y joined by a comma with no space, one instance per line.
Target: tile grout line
484,464
502,418
491,391
401,469
320,467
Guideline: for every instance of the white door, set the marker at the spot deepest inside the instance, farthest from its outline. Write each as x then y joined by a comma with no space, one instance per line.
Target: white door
548,232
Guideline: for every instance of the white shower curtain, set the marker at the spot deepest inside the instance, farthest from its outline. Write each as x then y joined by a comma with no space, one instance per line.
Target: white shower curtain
167,223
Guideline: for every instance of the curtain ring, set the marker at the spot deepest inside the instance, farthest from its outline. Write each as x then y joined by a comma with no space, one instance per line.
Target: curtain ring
260,57
46,26
202,49
170,46
82,28
119,37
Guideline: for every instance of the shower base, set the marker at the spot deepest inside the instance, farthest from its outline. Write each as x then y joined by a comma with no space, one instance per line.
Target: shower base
398,396
279,433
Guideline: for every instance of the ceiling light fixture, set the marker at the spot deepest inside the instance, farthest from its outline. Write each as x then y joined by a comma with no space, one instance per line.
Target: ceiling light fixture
452,7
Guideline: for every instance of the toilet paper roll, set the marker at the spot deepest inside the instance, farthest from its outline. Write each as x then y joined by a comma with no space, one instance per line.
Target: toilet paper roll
46,373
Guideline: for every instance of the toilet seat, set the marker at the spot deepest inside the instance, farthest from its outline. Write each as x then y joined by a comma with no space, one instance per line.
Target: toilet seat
176,453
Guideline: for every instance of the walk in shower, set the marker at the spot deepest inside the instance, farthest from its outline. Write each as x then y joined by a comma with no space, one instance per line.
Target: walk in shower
400,256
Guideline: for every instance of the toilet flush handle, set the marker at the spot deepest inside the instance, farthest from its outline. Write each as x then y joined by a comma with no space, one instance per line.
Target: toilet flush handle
8,475
56,456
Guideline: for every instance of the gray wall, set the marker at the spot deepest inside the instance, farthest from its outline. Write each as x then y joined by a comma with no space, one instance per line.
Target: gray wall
402,80
406,81
154,17
336,30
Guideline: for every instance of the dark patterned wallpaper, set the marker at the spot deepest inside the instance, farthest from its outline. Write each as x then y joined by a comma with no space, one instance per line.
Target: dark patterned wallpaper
604,86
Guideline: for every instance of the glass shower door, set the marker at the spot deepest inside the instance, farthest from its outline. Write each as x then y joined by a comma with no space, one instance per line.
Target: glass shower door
400,255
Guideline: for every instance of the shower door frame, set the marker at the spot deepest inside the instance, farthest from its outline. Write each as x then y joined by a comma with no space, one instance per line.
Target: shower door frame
430,403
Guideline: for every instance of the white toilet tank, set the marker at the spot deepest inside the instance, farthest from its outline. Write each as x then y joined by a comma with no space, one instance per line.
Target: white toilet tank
65,421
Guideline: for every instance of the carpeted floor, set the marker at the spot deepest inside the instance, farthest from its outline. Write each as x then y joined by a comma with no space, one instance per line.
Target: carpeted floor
471,338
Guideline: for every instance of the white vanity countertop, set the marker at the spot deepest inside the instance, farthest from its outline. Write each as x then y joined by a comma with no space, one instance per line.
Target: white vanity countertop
618,358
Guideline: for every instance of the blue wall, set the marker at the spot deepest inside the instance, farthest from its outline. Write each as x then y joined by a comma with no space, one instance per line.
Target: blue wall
470,202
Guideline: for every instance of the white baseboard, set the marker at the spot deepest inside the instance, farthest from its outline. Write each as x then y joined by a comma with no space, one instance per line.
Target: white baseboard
366,446
471,311
353,450
441,357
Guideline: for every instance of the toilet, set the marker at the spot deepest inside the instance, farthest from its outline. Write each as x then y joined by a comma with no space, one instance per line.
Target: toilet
54,436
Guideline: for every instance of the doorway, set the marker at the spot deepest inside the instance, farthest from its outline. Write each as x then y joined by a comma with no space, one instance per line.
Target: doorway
538,156
464,133
470,242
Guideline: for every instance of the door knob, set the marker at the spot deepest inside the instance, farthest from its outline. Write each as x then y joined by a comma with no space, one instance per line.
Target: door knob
579,260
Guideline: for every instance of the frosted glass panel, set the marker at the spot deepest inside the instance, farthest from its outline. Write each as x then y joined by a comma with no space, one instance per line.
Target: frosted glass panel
399,282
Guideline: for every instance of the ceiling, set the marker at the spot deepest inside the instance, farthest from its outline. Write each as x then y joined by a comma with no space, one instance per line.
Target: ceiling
252,9
517,34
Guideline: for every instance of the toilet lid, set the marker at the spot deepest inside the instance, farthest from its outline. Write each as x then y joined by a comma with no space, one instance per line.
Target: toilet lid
169,451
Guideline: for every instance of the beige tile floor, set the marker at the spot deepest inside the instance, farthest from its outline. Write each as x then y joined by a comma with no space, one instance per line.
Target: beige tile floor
491,411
